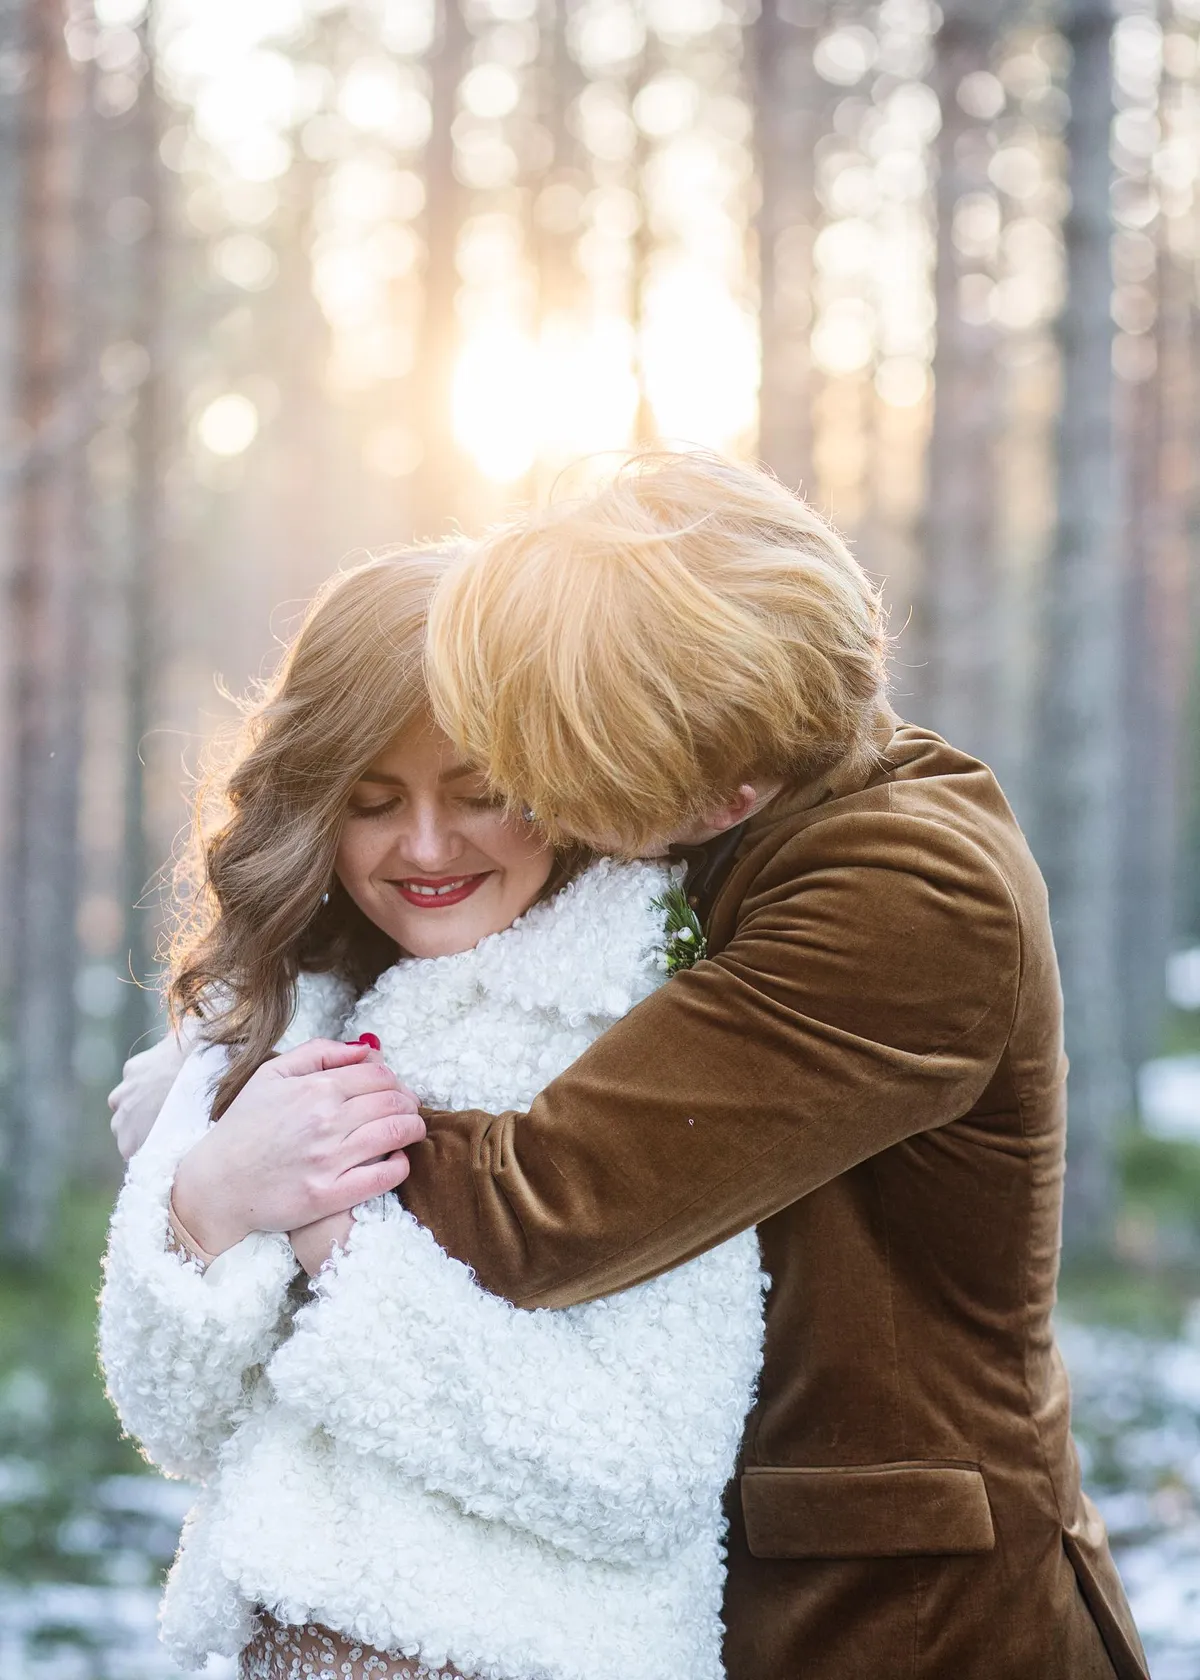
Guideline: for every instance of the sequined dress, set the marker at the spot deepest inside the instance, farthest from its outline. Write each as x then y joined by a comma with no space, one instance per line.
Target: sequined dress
278,1652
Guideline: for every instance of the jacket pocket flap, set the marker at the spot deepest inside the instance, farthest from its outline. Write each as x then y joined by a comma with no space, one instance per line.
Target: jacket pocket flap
866,1510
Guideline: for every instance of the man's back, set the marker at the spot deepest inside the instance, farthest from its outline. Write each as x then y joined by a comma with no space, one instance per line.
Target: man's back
869,1068
910,1455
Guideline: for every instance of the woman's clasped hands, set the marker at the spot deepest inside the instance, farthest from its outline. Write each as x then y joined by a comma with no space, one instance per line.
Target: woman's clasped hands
314,1132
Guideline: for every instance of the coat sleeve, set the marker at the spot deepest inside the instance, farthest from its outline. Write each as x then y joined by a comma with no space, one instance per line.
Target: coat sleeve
609,1432
864,995
177,1344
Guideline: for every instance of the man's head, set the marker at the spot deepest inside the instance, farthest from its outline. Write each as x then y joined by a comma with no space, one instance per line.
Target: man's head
633,663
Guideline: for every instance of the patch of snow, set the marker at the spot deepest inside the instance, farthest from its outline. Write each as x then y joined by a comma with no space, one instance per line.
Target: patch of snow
62,1631
1137,1420
146,1496
1168,1095
1183,978
20,1480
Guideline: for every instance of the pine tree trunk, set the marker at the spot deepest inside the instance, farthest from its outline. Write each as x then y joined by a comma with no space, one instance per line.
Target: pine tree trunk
46,606
1079,712
960,612
556,183
438,484
12,43
788,109
1159,419
555,236
645,424
143,652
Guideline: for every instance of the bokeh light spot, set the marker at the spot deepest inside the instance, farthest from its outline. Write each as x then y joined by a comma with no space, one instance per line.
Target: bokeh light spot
228,425
844,56
901,381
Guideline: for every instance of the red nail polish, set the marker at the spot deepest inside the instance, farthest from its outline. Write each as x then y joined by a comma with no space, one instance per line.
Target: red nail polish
371,1042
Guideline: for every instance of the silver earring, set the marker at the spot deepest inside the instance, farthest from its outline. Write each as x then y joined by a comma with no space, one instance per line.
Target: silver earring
324,898
527,814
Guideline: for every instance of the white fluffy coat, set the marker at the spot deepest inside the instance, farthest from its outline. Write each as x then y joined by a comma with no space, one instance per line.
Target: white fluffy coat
524,1495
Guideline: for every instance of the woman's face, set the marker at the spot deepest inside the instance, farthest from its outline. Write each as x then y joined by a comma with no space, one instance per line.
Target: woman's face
428,856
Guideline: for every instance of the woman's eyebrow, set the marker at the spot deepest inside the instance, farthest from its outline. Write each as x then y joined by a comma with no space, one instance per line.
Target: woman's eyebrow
454,773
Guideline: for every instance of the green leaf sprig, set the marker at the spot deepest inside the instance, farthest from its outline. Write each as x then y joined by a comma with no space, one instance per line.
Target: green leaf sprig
686,943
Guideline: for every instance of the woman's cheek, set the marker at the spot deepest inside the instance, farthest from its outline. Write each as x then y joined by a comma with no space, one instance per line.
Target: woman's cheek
351,864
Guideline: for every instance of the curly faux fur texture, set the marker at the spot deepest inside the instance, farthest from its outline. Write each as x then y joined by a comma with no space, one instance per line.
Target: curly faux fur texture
180,1347
572,1423
526,1495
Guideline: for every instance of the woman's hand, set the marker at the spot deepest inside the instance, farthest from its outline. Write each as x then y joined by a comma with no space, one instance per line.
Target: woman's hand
313,1133
145,1080
313,1244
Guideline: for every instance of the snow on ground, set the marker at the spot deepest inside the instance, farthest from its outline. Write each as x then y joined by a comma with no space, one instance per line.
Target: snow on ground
124,1529
1137,1420
1137,1409
1169,1097
61,1631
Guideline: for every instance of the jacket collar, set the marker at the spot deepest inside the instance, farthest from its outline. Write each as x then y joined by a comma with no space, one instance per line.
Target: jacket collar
848,776
708,866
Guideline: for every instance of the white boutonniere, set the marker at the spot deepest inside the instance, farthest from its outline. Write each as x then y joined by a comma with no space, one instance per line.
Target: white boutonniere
686,943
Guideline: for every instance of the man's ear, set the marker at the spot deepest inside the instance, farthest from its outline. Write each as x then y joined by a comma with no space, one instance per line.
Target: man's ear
735,810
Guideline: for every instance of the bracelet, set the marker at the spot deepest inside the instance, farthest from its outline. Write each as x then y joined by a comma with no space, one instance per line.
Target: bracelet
184,1237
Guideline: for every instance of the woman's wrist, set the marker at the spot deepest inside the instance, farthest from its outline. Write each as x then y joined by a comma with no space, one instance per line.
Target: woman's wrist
314,1244
181,1241
198,1208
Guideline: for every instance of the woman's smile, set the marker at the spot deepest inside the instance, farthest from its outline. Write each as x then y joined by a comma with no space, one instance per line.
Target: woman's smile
439,894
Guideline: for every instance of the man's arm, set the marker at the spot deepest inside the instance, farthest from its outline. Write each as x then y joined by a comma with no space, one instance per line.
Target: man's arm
865,996
146,1078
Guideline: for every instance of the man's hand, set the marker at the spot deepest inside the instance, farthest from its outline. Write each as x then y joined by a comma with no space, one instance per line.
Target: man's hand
145,1080
313,1133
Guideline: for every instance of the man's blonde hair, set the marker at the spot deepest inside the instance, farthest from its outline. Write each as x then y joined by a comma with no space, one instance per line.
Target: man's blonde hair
622,662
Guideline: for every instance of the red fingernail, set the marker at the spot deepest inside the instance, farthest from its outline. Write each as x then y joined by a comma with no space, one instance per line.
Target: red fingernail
371,1042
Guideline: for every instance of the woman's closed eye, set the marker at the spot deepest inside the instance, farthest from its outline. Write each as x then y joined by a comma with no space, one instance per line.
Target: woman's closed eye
380,808
385,807
479,801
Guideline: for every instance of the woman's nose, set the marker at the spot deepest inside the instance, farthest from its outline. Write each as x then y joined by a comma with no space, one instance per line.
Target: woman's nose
429,841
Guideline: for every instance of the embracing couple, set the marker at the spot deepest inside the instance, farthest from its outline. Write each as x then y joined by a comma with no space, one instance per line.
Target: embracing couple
604,1221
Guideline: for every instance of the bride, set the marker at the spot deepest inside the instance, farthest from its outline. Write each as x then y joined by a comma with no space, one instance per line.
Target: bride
556,1515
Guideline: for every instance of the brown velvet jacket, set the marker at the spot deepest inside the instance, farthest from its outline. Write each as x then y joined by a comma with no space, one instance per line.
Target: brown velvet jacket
869,1068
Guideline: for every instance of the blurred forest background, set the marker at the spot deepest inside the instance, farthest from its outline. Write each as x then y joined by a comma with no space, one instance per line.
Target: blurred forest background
283,280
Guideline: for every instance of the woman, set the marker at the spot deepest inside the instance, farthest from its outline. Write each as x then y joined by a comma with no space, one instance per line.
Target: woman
557,1513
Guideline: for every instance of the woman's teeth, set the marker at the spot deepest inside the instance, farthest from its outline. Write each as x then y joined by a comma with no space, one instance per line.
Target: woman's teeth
433,893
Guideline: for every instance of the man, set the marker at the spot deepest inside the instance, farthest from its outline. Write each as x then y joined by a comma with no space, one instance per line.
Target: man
867,1066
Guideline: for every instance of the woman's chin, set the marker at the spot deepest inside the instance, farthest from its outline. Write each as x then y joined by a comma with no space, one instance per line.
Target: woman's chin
442,933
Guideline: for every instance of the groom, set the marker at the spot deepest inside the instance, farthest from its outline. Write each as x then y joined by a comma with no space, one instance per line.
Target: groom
868,1067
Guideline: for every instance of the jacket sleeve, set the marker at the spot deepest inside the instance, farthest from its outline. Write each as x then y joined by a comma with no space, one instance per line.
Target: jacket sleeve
177,1344
609,1432
865,994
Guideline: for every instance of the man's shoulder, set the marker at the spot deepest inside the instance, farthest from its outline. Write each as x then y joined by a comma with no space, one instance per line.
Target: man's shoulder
926,809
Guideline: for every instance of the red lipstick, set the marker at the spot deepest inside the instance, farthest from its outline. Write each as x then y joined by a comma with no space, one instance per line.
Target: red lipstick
439,893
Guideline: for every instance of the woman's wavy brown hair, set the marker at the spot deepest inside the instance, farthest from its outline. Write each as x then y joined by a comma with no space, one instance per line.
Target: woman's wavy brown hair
251,889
